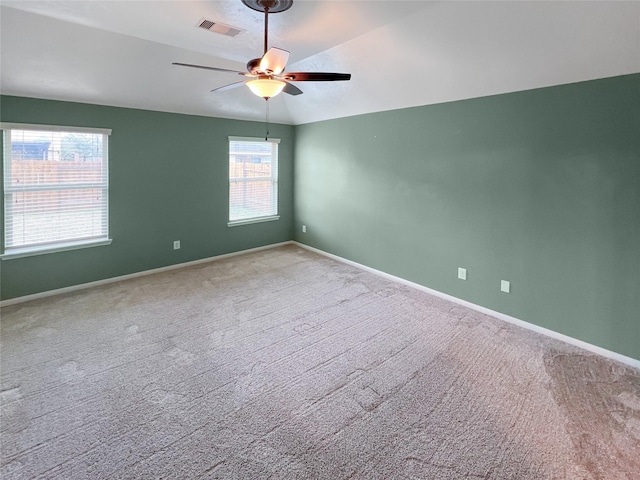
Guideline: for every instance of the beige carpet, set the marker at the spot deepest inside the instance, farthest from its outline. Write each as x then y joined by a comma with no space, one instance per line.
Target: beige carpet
283,364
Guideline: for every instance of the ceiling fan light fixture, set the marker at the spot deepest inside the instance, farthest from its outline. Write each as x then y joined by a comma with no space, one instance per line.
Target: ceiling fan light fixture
268,71
266,87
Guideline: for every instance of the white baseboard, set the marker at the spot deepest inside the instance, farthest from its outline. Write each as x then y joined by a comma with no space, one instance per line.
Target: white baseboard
632,362
106,281
507,318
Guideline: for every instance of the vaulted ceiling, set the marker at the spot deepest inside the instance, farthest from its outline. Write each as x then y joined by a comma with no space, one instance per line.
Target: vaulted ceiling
400,53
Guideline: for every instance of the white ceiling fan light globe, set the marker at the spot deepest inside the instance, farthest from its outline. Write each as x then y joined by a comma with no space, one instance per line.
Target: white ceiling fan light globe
266,87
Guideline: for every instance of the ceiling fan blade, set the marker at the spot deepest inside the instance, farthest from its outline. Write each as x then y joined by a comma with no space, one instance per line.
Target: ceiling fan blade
231,86
208,68
274,61
291,89
315,76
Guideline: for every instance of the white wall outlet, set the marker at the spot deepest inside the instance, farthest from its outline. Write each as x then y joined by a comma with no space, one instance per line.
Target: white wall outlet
304,229
505,286
176,244
462,273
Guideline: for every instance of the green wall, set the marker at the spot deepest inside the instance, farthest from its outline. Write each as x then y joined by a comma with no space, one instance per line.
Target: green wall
168,181
541,188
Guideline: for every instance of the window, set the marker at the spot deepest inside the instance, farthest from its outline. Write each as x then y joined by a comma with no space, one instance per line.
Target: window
56,188
253,180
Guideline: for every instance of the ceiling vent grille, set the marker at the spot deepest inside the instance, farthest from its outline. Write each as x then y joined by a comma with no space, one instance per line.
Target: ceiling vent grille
217,27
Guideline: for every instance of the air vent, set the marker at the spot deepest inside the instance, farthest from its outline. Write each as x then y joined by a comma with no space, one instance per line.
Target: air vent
218,27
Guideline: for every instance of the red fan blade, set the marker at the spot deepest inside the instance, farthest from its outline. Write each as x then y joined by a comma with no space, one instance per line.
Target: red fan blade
315,76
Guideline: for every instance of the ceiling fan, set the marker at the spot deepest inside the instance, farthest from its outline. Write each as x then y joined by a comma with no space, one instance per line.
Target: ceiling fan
267,74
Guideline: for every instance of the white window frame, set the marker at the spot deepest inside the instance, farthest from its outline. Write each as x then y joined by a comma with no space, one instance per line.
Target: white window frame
71,244
273,178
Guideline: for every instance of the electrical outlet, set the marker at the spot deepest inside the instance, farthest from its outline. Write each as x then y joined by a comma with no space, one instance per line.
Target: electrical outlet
462,273
176,244
505,286
304,229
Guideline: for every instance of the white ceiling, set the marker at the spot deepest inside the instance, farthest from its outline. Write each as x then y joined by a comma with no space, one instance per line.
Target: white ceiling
400,53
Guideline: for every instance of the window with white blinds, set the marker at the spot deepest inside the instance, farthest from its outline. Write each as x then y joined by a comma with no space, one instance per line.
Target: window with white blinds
253,180
56,187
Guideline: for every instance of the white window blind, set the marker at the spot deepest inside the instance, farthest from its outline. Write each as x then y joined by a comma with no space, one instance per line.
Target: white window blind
56,187
253,179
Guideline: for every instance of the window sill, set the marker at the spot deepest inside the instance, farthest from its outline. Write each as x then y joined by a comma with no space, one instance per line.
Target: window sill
60,247
248,221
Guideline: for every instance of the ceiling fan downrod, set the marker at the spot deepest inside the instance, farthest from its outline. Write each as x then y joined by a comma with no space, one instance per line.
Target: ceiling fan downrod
266,29
268,6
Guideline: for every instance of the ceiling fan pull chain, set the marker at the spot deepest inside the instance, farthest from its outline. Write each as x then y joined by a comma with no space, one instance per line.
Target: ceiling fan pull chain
266,136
